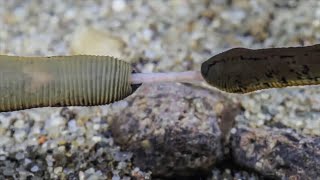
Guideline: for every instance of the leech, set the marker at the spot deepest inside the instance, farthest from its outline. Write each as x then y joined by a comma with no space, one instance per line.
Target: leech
30,82
187,76
82,80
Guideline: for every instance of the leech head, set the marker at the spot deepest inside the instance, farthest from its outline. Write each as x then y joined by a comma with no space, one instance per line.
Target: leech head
223,72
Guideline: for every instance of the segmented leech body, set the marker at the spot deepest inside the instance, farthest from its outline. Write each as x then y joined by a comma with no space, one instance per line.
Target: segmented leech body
28,82
242,70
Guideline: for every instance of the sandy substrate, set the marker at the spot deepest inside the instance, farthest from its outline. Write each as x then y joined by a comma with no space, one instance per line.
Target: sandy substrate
155,36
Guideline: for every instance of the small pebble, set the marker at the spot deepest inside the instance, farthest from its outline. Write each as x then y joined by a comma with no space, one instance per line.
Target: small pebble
72,125
34,168
2,158
4,140
19,135
57,170
19,156
92,41
116,177
96,138
89,171
8,172
27,161
233,131
19,124
118,5
81,175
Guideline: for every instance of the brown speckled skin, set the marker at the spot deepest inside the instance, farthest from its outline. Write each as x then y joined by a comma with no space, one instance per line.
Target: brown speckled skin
241,70
29,82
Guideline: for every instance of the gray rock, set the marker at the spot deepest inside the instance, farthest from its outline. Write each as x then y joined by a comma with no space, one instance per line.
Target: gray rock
34,168
173,129
280,154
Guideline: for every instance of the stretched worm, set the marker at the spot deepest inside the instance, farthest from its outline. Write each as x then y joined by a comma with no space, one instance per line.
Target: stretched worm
82,80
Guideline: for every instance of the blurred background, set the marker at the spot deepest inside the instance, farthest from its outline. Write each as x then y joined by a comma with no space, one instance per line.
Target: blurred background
155,36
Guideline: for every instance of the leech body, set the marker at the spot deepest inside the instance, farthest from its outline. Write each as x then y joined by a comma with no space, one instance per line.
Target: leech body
242,70
28,82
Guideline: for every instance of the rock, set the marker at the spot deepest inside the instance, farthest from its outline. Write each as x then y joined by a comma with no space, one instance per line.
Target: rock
92,41
118,5
173,129
34,168
280,154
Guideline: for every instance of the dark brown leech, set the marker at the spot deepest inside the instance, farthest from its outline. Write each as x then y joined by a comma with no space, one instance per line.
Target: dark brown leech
242,70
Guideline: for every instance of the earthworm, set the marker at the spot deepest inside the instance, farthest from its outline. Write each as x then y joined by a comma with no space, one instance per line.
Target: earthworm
84,80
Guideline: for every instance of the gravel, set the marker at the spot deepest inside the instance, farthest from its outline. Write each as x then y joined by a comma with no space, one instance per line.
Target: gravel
76,142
